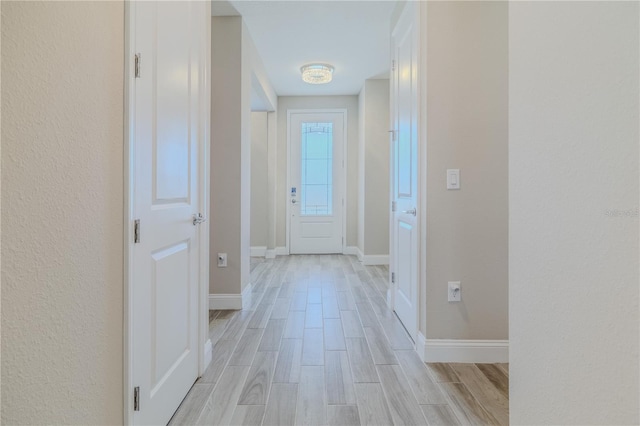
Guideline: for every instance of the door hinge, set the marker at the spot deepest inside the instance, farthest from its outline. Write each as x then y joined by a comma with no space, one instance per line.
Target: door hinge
393,278
136,398
136,231
393,65
137,66
393,206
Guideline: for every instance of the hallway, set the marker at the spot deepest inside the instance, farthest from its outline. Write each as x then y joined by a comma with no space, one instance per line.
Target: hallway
318,345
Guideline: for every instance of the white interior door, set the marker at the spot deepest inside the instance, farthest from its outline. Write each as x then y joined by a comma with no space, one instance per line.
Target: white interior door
316,169
404,226
167,145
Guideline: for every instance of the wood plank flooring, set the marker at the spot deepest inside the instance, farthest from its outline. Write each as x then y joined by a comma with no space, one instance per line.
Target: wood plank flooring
318,346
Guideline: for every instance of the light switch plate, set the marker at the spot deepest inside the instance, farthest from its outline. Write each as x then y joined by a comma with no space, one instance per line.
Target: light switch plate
453,178
454,291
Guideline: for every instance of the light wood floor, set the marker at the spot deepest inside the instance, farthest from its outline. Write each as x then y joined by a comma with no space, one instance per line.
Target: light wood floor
319,346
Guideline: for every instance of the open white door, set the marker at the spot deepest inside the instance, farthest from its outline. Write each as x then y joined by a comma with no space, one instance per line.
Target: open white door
404,169
167,142
316,170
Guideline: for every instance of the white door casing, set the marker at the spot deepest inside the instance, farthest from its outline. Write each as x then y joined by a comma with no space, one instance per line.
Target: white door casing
167,186
405,234
315,193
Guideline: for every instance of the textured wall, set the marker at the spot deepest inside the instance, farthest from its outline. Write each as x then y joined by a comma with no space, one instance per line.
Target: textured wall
62,212
318,102
376,168
259,180
230,155
573,201
467,94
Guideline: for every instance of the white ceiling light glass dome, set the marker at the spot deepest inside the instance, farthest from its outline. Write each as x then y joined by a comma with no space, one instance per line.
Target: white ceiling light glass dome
317,73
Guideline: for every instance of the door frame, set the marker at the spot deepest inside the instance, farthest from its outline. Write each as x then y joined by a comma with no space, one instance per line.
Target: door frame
204,345
343,185
419,17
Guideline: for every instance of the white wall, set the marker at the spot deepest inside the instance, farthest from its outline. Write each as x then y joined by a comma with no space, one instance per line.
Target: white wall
467,113
230,154
373,208
62,212
318,102
573,161
259,179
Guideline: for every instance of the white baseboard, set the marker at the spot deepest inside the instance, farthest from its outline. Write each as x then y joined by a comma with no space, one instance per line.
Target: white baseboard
375,259
230,301
246,296
351,251
208,353
270,254
421,345
258,251
282,251
464,351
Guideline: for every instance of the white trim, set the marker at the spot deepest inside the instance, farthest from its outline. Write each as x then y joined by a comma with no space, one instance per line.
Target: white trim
225,301
282,251
422,167
351,251
421,346
270,254
230,301
129,131
246,296
204,166
467,351
375,259
345,143
208,352
258,251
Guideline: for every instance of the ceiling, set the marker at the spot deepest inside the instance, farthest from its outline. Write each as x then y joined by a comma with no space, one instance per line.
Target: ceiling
353,36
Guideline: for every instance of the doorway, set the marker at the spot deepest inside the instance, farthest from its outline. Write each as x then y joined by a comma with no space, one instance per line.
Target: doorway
316,181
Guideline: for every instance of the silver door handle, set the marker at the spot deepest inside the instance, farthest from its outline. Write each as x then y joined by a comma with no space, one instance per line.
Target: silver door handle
412,211
198,219
293,201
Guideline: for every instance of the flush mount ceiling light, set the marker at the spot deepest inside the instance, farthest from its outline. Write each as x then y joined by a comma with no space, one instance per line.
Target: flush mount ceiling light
317,73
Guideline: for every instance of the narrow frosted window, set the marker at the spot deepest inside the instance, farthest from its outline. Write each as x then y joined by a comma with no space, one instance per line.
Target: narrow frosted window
317,169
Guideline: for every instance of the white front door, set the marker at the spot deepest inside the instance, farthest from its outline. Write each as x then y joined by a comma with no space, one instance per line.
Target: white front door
404,177
316,182
167,144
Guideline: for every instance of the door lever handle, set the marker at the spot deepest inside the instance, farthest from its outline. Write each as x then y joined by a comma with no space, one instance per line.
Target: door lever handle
412,211
197,219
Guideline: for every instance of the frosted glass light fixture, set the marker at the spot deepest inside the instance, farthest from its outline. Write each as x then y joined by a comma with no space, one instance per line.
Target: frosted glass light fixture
317,73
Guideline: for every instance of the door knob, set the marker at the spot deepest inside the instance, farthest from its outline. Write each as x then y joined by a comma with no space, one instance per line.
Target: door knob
411,212
294,201
198,219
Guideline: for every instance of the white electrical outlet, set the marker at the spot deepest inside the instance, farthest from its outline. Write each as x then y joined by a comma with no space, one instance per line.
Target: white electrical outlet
222,260
454,291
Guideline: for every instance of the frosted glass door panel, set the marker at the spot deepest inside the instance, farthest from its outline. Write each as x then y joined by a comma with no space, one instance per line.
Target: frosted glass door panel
316,165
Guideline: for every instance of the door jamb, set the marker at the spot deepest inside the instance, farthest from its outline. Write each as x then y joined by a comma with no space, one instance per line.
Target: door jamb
129,132
345,125
129,196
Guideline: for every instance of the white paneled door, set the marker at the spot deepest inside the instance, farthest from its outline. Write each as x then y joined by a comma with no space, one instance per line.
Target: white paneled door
316,169
166,151
404,223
